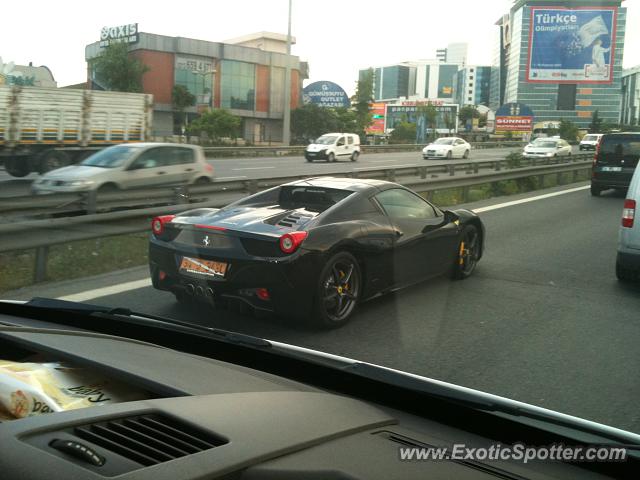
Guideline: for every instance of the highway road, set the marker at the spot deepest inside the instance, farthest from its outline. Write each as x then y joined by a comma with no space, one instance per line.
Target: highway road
543,320
270,167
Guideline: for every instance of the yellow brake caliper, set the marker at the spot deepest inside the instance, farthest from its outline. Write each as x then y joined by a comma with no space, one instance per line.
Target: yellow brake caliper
461,254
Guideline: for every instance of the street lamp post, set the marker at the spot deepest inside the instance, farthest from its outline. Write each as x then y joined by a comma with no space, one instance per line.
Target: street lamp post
286,121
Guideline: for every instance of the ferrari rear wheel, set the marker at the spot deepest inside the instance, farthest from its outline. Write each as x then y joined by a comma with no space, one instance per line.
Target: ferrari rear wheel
339,289
468,253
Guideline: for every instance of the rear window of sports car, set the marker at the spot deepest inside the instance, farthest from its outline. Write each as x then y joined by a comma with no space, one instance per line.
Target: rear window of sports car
311,198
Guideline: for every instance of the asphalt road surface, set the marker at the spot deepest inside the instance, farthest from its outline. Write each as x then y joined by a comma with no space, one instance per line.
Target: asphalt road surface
227,169
543,320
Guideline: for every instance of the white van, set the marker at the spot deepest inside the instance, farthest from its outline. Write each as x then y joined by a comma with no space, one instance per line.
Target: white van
628,260
334,146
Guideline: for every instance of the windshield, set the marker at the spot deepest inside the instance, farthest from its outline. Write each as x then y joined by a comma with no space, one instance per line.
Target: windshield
223,168
111,157
326,140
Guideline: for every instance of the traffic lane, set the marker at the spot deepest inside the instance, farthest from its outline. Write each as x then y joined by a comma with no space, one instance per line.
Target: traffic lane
274,167
270,167
543,320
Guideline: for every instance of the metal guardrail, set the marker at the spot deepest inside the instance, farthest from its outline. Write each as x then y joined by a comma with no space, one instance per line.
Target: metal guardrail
44,233
56,205
246,152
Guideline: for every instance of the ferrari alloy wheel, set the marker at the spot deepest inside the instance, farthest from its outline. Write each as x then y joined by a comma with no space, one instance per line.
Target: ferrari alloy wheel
338,291
468,253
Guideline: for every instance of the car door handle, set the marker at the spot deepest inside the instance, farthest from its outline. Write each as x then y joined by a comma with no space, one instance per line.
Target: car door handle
189,170
161,173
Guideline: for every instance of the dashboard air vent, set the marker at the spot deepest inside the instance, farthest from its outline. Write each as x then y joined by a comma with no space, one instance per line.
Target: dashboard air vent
148,439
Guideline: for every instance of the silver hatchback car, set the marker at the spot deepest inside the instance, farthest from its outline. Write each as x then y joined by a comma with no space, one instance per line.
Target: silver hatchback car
628,260
132,165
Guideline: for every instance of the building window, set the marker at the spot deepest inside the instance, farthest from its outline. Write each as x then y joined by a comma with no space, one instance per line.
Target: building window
470,84
237,88
566,96
196,75
470,92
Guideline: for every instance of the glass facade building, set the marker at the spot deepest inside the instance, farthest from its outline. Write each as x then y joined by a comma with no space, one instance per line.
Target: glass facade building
551,101
237,85
472,86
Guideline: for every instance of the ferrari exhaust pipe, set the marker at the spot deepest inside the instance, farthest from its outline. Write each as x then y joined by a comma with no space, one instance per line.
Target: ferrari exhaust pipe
199,291
189,288
209,292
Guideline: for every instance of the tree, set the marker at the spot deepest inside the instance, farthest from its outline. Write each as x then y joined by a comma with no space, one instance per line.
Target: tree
468,112
346,120
430,115
596,123
310,121
182,98
362,99
216,124
568,131
116,70
405,132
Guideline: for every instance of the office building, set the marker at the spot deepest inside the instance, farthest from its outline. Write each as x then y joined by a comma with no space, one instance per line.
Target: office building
471,85
246,76
630,111
563,59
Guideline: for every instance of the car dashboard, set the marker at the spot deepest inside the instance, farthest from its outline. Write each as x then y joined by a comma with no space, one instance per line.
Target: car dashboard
207,418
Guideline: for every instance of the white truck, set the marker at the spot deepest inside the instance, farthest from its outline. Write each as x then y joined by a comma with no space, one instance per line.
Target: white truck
42,129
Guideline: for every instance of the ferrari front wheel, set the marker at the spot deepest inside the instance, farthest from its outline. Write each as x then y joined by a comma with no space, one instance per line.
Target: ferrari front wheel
338,292
468,253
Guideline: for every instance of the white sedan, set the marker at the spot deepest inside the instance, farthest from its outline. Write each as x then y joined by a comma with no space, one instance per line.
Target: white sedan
447,147
550,147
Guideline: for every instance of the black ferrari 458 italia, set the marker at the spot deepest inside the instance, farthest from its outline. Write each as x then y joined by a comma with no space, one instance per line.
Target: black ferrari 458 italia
312,249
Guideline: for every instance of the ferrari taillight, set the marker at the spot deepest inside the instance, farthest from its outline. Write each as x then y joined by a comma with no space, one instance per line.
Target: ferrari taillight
158,223
289,242
628,213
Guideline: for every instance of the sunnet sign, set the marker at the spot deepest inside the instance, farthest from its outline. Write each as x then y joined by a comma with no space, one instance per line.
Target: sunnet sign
514,118
571,45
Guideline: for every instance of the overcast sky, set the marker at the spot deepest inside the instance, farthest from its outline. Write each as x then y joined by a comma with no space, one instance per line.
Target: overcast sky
336,37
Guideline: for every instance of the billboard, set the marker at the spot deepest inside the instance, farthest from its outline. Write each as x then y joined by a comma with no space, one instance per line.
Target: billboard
377,119
514,118
326,94
446,119
571,45
120,34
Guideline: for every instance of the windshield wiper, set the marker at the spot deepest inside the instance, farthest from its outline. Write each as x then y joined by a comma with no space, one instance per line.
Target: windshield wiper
145,318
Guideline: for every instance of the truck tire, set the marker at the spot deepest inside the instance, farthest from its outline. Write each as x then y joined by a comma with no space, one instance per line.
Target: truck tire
52,160
17,167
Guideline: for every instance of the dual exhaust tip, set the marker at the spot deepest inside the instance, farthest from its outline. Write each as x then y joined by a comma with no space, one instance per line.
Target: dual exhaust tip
198,291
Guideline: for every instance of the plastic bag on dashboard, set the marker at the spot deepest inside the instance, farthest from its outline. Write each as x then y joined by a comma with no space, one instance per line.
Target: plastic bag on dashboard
28,389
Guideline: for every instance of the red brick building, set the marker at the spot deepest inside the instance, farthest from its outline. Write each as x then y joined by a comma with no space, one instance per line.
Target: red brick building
245,76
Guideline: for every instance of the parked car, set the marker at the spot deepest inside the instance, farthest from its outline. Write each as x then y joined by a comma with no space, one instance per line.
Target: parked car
547,147
447,147
334,146
628,259
130,166
312,249
615,161
589,141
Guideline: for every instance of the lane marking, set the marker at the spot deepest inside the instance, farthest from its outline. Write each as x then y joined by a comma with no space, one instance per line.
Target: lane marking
529,199
133,285
105,291
229,178
251,168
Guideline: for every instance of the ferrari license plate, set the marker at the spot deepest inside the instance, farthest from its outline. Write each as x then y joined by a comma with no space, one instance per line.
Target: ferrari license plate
611,169
205,268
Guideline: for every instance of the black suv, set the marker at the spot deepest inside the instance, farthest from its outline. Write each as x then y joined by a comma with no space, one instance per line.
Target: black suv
615,161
